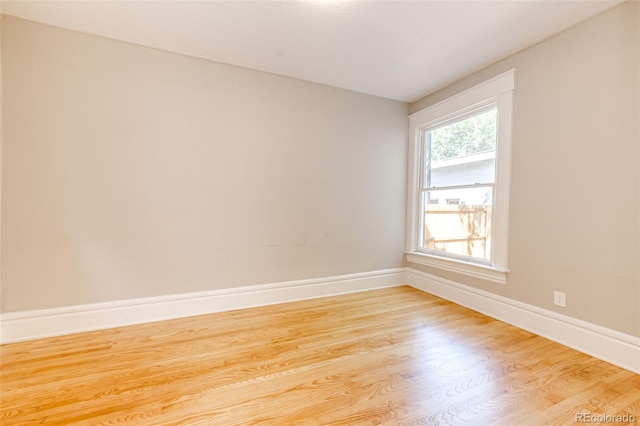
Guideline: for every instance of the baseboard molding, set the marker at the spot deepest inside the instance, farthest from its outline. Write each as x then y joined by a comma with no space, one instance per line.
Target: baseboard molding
21,326
608,345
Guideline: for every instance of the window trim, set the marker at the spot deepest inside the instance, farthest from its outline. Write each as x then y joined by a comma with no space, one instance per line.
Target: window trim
497,90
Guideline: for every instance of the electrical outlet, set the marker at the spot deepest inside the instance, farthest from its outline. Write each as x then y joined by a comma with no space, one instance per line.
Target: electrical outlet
560,299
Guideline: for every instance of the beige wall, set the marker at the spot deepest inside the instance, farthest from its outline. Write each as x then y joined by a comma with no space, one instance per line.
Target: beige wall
575,193
131,172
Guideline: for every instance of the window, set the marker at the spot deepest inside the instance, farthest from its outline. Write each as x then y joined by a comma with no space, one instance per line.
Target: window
458,164
459,181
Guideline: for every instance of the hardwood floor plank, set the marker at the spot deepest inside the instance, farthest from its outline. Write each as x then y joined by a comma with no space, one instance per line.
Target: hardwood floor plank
392,356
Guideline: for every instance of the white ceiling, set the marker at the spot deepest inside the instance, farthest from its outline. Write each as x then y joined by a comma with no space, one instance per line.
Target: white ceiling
395,49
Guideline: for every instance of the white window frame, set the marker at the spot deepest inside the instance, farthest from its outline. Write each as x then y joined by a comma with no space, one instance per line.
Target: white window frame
499,91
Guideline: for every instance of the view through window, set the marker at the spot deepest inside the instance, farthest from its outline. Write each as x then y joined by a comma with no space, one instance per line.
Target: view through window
457,185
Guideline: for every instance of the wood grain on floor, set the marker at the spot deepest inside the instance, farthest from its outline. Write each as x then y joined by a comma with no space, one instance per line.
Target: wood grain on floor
393,356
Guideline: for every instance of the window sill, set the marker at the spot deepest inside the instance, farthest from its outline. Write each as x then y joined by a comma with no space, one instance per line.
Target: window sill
460,267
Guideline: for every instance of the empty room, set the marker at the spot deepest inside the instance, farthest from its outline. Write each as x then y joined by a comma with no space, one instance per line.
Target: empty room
320,212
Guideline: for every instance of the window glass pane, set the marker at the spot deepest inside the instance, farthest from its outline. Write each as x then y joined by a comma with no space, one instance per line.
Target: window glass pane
471,169
462,152
459,223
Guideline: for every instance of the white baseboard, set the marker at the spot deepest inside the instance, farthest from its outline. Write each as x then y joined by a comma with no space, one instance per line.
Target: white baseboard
603,343
21,326
608,345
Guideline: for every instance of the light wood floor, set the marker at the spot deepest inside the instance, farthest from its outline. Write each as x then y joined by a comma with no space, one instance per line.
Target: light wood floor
394,356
